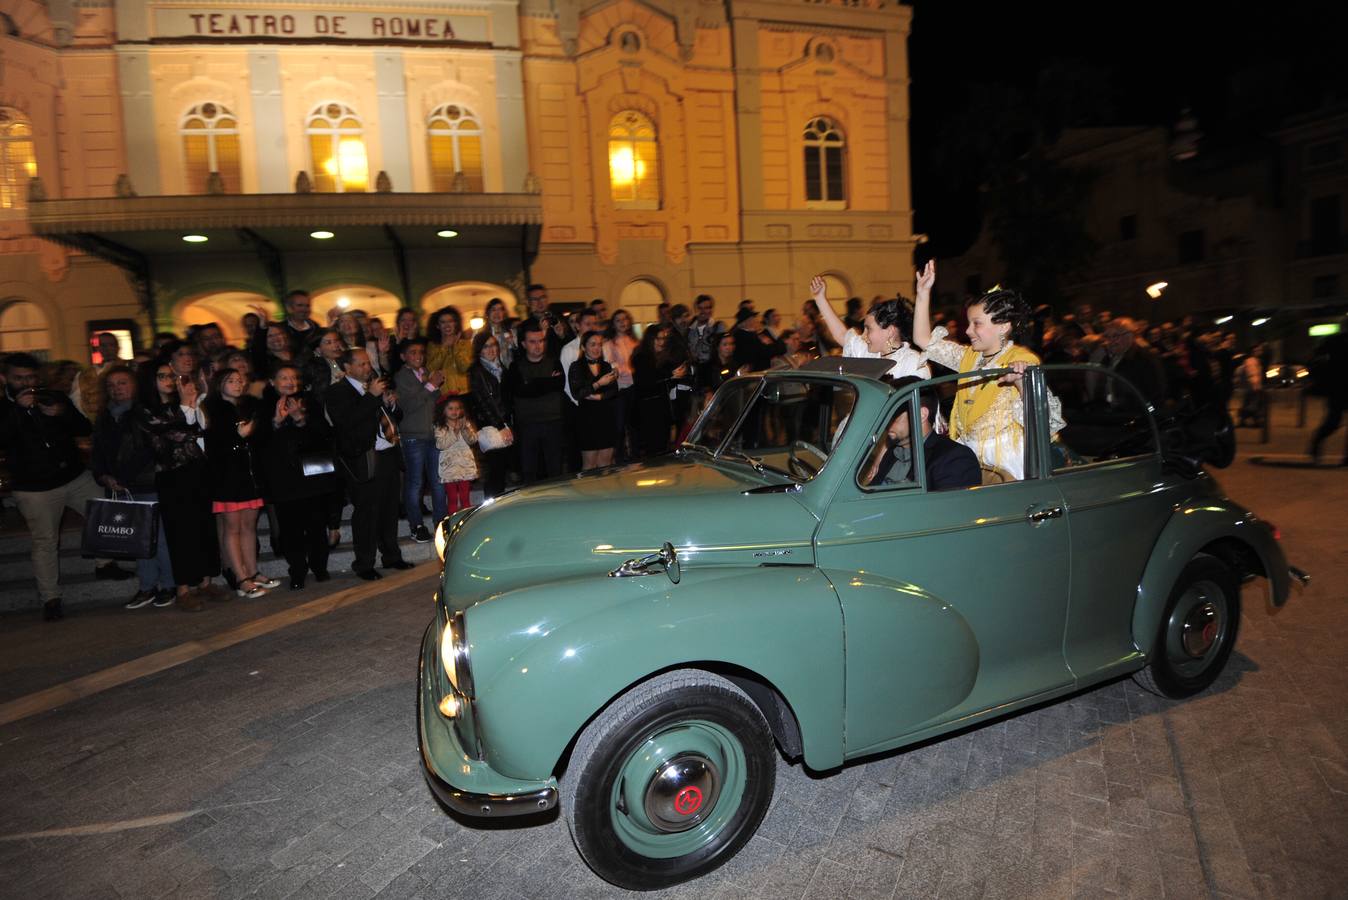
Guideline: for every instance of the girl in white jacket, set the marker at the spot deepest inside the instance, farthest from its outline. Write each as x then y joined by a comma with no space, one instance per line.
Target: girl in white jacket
454,437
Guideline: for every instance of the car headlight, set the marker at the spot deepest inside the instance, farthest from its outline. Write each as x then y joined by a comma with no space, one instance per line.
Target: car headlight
454,655
441,540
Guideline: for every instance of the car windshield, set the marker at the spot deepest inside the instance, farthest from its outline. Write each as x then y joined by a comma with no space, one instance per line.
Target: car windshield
789,427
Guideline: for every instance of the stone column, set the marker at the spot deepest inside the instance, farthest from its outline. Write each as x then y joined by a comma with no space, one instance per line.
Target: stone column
394,124
138,125
748,112
269,123
510,109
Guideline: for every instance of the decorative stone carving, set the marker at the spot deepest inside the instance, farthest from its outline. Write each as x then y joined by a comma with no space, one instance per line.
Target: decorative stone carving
215,184
382,183
123,186
53,259
460,183
532,184
568,24
37,191
302,183
836,232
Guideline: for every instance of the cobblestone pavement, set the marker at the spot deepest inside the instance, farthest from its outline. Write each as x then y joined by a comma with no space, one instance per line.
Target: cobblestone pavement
286,766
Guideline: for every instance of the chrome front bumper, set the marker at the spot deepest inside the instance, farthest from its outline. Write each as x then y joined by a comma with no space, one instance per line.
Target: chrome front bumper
496,796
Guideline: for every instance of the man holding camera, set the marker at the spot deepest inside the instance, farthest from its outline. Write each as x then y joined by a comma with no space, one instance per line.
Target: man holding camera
365,415
553,326
38,432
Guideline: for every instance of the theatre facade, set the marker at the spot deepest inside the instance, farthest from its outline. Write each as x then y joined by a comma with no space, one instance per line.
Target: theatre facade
170,163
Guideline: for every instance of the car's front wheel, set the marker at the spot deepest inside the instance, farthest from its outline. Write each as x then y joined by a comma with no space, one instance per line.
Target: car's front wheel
669,781
1197,631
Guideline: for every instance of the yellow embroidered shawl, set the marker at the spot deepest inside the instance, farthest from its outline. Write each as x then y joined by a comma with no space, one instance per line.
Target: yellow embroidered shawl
966,418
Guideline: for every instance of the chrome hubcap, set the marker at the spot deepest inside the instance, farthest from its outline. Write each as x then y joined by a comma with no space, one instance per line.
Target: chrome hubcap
1201,627
681,792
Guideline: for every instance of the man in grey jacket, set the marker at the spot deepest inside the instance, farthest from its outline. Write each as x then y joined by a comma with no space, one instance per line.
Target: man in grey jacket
418,391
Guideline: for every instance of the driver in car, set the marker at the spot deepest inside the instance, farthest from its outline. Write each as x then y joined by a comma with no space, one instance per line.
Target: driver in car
949,464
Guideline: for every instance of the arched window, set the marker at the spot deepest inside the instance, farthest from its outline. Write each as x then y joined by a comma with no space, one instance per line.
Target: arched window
337,149
18,162
24,326
633,161
455,138
824,149
210,144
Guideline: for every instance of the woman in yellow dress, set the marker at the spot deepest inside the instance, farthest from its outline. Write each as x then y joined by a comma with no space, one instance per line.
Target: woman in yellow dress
988,416
450,351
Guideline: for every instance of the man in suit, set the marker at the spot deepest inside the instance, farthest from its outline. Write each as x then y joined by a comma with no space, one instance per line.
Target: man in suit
364,414
949,465
1122,351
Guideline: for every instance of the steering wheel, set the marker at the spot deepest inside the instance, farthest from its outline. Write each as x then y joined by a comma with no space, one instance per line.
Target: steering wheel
794,462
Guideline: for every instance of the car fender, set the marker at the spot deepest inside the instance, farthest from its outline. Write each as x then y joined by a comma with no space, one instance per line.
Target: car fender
911,657
1206,525
547,659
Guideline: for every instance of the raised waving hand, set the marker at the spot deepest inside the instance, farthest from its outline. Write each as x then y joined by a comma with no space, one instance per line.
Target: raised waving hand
818,292
926,278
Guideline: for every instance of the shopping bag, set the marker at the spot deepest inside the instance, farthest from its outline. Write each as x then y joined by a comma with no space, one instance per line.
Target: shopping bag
313,464
120,529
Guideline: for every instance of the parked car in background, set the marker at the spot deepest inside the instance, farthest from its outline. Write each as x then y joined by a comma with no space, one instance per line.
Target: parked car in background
638,644
1286,375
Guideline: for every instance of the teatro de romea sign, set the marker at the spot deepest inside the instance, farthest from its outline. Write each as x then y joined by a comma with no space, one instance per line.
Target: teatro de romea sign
388,24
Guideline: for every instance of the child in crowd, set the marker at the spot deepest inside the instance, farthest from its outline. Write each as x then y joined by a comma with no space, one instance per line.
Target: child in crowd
454,435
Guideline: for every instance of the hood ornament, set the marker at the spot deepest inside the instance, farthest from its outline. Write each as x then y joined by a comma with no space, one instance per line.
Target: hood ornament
666,560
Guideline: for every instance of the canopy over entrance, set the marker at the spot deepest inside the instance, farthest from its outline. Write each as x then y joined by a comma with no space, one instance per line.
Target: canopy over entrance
176,247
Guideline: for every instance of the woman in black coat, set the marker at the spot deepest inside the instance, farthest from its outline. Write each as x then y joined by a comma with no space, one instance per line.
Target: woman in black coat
295,452
660,368
490,406
171,418
236,492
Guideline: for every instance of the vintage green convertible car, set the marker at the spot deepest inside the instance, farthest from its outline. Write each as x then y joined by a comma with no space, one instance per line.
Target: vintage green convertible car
633,642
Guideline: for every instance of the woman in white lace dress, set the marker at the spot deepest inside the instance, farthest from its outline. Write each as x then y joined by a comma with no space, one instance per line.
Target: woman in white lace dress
988,415
883,337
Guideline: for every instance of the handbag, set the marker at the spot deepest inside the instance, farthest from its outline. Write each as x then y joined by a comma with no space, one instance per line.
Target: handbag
489,438
120,529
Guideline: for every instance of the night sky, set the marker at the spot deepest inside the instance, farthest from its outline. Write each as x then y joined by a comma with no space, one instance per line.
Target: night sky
1241,68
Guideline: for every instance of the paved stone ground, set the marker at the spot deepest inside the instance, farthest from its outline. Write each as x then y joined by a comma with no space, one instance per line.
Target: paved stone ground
291,760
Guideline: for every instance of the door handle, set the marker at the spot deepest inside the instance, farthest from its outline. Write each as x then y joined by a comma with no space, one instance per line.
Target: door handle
1043,515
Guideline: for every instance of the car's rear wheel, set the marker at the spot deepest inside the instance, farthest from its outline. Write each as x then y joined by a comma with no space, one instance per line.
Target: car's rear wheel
669,781
1197,631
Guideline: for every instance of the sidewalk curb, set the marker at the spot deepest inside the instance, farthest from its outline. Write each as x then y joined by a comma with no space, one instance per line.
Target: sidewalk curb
97,682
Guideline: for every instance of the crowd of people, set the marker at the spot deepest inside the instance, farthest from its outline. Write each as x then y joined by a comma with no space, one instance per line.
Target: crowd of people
400,422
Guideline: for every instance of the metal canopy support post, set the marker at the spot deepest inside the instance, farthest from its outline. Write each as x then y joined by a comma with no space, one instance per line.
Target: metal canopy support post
401,259
529,251
272,261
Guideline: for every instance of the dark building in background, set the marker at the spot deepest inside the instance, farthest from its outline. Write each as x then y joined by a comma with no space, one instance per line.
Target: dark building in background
1250,236
1314,169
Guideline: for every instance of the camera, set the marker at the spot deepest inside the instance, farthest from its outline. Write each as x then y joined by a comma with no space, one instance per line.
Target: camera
47,397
